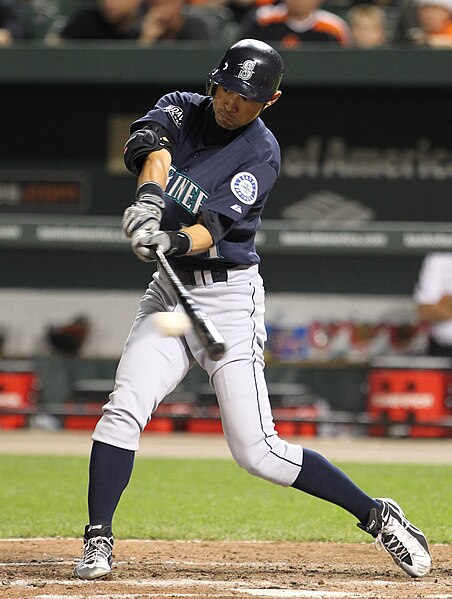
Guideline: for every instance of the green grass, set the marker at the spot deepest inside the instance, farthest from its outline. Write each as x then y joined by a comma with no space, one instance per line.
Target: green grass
211,499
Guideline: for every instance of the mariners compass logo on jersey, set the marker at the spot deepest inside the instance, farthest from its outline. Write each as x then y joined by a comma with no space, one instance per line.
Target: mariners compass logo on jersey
244,187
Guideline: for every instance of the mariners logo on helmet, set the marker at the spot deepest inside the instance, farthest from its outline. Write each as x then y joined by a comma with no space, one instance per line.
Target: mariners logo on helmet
250,68
247,70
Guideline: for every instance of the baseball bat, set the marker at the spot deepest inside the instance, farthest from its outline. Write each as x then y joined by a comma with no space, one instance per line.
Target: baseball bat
204,328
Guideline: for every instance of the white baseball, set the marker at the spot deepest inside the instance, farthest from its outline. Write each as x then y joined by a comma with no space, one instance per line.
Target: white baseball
172,324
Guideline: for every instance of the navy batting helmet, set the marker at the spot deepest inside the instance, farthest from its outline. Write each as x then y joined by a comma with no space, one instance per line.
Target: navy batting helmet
250,68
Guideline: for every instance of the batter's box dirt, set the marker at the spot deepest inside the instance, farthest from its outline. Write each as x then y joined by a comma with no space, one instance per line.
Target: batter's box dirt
42,569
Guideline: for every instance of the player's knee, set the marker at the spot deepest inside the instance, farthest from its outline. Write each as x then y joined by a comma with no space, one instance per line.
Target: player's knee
274,460
117,426
256,465
249,463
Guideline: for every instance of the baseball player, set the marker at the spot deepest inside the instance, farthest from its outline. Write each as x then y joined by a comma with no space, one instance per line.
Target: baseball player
205,166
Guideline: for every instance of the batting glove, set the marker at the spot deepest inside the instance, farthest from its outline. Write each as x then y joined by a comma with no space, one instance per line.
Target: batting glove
171,243
146,211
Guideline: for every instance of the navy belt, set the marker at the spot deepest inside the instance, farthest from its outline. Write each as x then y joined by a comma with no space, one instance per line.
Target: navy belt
202,277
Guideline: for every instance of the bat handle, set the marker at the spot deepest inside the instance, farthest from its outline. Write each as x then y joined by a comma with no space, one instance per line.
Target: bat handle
204,328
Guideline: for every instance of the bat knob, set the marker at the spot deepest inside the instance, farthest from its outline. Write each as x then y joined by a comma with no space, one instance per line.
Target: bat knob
216,350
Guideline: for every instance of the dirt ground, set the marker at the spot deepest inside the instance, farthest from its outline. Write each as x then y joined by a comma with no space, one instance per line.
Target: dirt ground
42,568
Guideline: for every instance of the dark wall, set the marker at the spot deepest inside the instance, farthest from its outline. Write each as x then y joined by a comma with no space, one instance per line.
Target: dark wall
405,130
383,117
72,269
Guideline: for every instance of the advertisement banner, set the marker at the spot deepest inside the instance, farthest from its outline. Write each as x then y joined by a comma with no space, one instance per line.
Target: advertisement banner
357,155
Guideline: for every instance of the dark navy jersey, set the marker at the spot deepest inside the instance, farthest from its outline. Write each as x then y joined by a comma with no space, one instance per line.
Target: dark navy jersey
229,181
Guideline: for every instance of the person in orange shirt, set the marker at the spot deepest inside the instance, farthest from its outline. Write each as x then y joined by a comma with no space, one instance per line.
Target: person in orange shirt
296,22
435,23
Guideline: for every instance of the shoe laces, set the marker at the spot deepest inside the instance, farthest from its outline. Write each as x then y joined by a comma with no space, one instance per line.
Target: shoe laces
388,540
97,547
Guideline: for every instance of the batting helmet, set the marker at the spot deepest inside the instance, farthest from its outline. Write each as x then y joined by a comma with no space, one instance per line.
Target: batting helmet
250,68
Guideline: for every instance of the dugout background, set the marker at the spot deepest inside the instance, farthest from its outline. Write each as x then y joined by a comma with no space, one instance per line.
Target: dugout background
365,134
61,107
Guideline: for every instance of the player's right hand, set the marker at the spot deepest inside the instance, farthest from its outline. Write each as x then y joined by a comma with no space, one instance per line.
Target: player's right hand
146,211
171,243
145,241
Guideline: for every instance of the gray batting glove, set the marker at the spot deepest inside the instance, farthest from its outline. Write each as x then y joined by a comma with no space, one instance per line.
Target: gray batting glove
146,211
145,242
171,243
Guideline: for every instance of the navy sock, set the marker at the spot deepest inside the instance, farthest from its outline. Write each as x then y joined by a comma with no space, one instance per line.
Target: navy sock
110,469
321,478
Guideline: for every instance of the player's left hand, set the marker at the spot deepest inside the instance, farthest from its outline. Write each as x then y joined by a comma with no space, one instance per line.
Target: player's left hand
146,212
145,243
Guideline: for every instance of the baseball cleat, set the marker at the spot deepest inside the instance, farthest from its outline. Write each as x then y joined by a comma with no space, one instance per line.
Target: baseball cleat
405,543
97,553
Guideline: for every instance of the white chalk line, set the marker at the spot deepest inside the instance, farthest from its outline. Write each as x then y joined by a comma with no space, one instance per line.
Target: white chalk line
156,541
187,582
256,593
159,586
168,562
272,593
290,594
169,583
114,596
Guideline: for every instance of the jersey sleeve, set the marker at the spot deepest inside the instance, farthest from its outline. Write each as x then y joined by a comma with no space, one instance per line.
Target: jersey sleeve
244,192
169,112
235,208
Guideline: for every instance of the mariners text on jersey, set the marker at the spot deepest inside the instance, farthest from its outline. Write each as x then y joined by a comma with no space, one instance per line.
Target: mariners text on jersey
184,191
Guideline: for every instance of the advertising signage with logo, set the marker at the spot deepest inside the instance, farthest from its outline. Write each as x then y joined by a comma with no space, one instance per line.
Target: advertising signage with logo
363,155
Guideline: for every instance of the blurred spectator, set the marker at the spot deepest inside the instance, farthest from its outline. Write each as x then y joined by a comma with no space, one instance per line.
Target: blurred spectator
167,20
368,24
433,298
219,16
405,22
11,26
295,22
435,23
108,20
424,22
145,22
240,8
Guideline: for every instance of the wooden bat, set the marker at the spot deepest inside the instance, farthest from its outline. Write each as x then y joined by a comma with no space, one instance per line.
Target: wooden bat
204,328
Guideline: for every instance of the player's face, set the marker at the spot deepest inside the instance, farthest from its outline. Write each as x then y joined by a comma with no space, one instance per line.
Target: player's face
233,111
